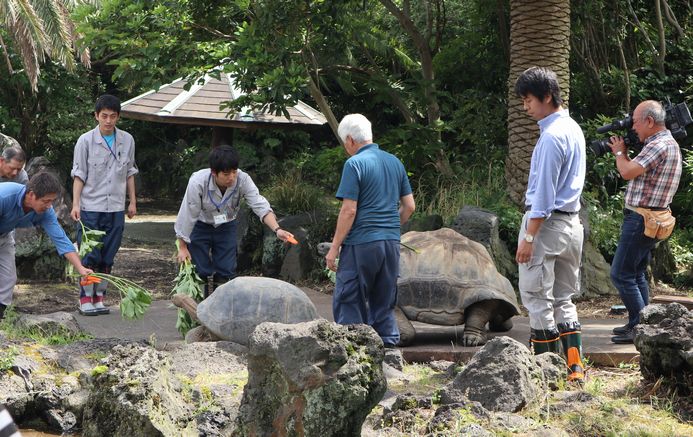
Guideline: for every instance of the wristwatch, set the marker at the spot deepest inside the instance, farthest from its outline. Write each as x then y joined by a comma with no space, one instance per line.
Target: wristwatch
276,229
619,153
529,238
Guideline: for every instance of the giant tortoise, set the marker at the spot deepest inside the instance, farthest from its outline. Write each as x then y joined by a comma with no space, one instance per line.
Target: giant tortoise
234,309
451,280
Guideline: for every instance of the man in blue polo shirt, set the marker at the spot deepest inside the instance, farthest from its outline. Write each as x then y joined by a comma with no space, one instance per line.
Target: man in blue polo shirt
24,207
376,200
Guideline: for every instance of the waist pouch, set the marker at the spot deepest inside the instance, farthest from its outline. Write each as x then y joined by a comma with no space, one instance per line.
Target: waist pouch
658,224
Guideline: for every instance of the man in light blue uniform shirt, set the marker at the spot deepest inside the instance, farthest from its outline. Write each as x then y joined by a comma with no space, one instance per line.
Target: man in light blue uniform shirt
376,200
23,207
550,241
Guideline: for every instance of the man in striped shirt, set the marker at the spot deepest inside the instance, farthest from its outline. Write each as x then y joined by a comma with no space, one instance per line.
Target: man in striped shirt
653,178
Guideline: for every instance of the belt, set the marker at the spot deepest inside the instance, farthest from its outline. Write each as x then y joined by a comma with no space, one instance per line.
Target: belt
555,211
651,208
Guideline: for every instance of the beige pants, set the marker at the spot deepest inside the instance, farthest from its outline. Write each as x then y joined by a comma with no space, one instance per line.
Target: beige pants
552,276
8,270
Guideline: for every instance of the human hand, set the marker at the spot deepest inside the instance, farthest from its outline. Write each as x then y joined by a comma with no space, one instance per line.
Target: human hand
84,272
617,144
183,255
524,252
132,209
74,213
331,257
287,236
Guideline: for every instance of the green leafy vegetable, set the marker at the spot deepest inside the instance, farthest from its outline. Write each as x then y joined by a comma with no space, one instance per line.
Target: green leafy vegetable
187,282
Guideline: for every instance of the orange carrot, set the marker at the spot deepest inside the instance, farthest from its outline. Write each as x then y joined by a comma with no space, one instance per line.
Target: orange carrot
292,240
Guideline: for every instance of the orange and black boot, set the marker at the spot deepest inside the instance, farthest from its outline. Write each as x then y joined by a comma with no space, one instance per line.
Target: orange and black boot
545,340
571,337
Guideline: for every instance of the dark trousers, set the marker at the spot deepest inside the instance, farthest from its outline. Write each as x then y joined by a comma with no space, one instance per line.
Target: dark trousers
630,264
113,223
366,287
213,250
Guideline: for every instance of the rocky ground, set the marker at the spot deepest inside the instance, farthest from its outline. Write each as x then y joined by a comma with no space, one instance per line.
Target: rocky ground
617,400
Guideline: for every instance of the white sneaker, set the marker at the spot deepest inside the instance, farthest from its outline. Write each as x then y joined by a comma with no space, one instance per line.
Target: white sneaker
87,309
100,308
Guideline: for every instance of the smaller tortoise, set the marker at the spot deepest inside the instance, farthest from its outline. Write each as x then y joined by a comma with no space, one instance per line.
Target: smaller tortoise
234,309
450,281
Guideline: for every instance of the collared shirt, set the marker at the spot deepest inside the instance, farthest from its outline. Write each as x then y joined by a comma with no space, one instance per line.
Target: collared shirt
203,200
104,170
661,159
21,178
557,170
377,181
12,216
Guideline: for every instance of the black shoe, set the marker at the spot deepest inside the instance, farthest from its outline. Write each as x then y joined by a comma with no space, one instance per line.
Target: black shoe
626,338
620,330
389,346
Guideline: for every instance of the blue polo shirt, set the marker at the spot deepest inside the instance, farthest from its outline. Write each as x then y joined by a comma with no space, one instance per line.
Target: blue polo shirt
376,180
12,216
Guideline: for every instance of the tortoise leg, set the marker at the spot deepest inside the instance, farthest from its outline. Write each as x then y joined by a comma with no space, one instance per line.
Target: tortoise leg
475,318
406,329
200,333
499,323
187,303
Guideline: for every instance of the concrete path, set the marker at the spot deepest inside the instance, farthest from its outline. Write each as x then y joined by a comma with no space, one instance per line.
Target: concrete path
432,343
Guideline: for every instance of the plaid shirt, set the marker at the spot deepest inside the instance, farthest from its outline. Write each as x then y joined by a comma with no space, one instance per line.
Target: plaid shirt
661,159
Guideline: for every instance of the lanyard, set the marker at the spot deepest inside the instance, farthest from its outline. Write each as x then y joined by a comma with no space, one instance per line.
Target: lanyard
110,149
223,201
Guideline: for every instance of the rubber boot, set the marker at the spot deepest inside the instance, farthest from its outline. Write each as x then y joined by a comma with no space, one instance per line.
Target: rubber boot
545,340
86,300
219,281
209,286
571,337
100,292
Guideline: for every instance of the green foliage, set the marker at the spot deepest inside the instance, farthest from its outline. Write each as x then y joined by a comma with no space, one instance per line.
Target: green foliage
681,243
290,194
605,220
189,283
7,356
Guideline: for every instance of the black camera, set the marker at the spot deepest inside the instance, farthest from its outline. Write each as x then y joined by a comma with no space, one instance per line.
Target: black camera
677,118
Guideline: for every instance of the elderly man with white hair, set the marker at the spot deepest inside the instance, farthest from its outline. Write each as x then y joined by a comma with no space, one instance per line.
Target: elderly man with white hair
376,200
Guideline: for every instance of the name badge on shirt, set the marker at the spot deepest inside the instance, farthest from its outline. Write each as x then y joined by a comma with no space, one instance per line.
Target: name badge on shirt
220,219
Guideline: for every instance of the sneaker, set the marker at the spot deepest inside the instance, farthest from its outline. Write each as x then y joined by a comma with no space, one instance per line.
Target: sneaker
87,309
100,308
620,330
626,338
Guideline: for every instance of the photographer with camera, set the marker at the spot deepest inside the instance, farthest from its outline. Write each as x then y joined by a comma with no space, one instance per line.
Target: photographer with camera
653,177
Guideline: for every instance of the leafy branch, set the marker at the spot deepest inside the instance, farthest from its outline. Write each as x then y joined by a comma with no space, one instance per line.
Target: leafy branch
187,282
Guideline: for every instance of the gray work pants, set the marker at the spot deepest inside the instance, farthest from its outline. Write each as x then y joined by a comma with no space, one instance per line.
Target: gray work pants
8,270
552,276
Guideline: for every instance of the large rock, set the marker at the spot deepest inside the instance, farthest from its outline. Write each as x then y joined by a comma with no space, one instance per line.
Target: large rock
664,339
502,376
142,392
595,276
59,323
482,226
314,379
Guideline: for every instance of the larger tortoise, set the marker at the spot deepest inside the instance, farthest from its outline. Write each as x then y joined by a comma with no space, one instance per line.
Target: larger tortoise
234,309
451,280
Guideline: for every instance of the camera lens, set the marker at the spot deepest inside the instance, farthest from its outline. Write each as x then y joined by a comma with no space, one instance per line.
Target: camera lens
600,147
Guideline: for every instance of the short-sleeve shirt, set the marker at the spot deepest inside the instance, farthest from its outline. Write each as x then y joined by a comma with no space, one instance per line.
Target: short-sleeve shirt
104,170
661,159
376,180
203,200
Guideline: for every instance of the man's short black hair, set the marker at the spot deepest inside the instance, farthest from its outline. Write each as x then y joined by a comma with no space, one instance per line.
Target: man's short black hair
43,184
223,158
539,82
107,101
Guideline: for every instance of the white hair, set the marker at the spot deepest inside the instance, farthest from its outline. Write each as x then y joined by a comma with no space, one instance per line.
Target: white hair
357,127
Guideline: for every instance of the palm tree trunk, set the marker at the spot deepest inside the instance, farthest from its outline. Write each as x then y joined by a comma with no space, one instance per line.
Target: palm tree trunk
539,35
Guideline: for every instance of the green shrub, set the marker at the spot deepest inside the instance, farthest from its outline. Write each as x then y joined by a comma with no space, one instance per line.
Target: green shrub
290,194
